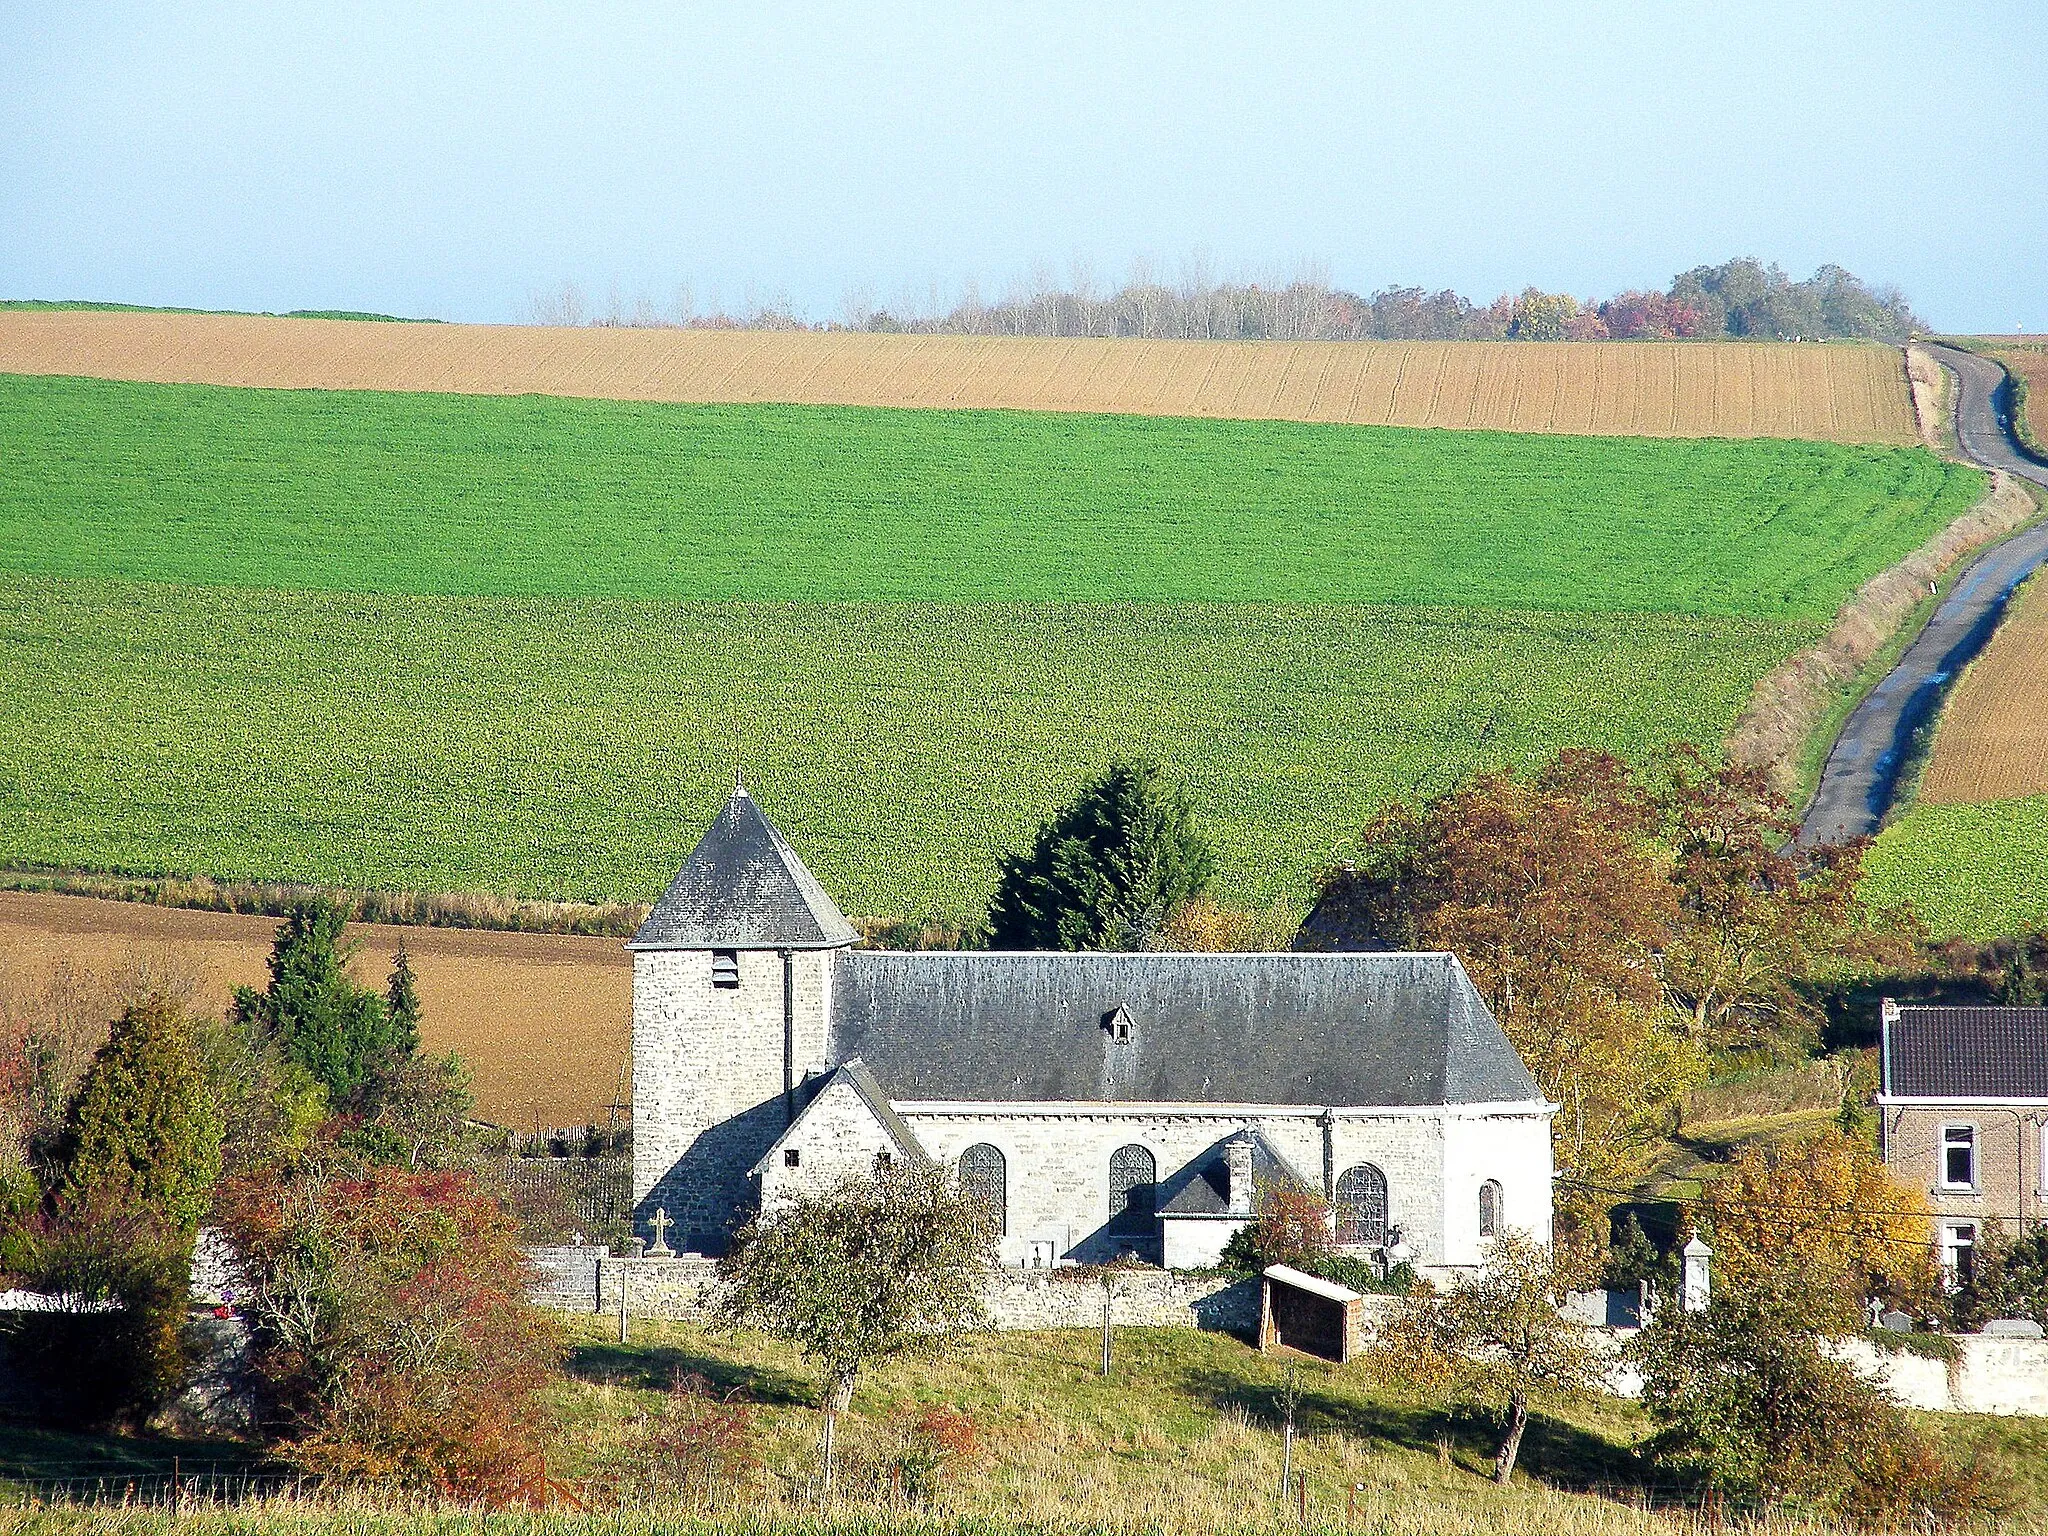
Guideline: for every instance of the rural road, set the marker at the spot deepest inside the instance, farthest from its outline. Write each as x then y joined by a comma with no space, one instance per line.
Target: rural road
1862,771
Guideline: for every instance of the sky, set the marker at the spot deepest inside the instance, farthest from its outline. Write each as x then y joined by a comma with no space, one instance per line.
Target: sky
460,161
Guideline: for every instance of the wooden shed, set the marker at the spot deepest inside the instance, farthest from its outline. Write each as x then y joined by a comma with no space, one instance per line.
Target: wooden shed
1304,1312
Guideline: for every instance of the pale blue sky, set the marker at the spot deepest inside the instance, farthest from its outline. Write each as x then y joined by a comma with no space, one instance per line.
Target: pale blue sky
453,160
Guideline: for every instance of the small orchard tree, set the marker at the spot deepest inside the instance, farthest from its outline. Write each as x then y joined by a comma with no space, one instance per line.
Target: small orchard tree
873,1268
1107,872
1290,1226
1497,1340
142,1137
340,1033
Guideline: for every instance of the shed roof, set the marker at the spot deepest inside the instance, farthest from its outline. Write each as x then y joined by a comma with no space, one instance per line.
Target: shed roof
1350,1029
1202,1188
1967,1053
743,888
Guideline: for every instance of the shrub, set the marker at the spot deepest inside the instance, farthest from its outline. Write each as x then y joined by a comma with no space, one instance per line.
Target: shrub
114,1351
392,1324
142,1134
1292,1227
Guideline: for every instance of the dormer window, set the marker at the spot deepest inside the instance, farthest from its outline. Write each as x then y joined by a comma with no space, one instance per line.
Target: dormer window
725,968
791,1157
1117,1025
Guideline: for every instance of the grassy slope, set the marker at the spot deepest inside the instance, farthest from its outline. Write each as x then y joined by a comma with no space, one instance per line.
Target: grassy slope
546,497
1978,871
550,743
572,748
1182,1439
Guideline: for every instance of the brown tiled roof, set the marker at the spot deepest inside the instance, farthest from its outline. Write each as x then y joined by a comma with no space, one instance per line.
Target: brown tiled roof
1967,1053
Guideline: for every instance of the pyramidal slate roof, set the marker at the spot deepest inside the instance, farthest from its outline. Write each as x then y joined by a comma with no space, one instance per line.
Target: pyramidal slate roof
1967,1053
1347,1030
743,888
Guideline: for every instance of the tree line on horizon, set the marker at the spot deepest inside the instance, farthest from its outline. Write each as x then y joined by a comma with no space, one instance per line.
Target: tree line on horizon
1739,299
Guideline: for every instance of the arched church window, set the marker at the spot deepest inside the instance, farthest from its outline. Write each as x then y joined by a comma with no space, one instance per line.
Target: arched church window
984,1179
1133,1188
1489,1208
1362,1205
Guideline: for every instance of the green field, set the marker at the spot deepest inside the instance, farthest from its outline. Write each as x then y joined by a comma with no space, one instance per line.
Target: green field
1971,871
575,747
453,642
539,497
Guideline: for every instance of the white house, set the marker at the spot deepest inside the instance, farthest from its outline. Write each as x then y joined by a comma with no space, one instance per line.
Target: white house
1101,1103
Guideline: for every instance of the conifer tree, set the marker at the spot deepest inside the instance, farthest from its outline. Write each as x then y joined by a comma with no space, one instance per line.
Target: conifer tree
402,1005
340,1033
142,1139
1107,871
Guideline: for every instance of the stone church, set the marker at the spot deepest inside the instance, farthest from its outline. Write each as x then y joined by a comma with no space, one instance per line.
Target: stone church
1101,1104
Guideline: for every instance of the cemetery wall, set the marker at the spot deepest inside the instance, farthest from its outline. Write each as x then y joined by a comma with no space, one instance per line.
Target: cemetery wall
679,1290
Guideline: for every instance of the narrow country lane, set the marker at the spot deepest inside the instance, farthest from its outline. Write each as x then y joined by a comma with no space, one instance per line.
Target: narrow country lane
1862,772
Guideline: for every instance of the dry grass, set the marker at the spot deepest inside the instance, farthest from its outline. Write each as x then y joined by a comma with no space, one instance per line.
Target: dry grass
542,1020
2027,358
1992,743
1835,393
1792,700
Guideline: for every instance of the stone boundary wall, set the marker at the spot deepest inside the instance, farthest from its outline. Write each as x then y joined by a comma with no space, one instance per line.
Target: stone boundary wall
587,1280
1988,1375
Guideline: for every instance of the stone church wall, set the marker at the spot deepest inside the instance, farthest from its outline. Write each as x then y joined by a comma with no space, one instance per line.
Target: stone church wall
707,1080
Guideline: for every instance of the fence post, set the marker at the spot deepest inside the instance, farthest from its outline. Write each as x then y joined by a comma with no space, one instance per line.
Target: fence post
625,1280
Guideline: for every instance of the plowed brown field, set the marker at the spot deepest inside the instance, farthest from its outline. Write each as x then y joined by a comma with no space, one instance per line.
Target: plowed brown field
1992,743
2031,360
1837,393
542,1020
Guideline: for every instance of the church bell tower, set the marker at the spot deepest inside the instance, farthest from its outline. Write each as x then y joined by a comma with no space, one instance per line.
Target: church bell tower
732,975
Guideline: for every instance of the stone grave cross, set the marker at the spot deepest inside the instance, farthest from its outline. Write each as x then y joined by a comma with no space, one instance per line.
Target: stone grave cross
661,1224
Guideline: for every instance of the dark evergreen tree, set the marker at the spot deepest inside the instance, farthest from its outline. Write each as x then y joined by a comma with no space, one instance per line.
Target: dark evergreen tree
402,1005
340,1033
1107,871
142,1139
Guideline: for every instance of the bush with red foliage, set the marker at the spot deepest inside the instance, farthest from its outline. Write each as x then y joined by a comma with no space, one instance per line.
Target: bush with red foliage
391,1320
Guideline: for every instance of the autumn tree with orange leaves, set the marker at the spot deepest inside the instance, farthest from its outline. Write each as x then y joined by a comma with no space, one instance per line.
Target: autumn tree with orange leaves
1620,926
1825,1212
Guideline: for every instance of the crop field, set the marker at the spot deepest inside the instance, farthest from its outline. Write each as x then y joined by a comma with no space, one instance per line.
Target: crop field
1992,742
541,1019
1974,871
1850,393
570,747
546,497
2029,360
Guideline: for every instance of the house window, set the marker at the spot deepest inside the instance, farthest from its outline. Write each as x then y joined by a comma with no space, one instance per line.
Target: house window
1362,1205
725,967
1489,1208
1959,1157
1958,1252
1133,1188
789,1157
984,1179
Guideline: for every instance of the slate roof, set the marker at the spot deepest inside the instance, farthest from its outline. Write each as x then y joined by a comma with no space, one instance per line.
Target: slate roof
1203,1187
742,888
1967,1053
1347,1030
